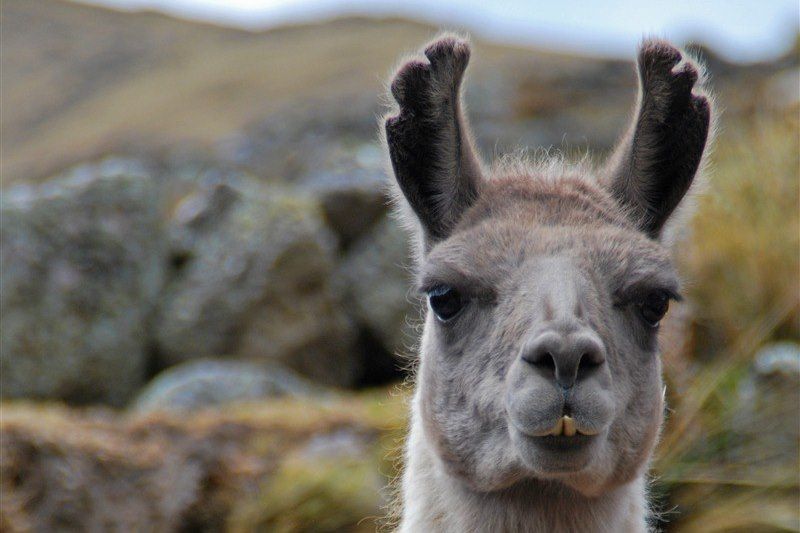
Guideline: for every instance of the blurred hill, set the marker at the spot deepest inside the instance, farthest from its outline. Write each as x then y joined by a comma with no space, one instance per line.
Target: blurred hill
81,81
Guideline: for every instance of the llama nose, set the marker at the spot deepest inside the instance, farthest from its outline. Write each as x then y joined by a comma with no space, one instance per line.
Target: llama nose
565,358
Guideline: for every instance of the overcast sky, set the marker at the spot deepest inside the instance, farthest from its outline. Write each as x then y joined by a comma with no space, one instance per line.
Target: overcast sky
743,30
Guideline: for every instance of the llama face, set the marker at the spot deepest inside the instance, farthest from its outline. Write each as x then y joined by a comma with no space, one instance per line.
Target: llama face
545,283
530,323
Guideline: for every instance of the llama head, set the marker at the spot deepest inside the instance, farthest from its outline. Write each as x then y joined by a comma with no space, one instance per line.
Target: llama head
545,283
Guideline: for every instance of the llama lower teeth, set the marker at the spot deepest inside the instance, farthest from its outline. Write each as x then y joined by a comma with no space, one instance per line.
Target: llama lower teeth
558,429
565,426
569,426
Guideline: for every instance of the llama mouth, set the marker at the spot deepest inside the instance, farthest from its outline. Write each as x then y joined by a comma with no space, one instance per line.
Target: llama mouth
566,427
562,450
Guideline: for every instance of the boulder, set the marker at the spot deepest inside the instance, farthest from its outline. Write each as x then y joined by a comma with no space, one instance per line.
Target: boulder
354,196
779,359
762,422
206,383
776,370
377,278
252,267
82,264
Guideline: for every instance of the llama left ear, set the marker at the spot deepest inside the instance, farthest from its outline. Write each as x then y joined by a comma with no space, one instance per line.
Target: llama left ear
655,164
430,145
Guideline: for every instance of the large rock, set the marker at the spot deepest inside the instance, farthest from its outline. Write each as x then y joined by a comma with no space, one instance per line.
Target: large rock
252,267
351,190
81,266
377,277
206,383
766,409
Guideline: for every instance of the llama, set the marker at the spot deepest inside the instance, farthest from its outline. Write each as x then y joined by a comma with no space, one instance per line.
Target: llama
539,396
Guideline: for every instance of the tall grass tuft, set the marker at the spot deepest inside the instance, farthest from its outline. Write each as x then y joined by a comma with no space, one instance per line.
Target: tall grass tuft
728,460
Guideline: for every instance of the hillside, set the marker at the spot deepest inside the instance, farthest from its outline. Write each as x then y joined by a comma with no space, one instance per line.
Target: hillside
80,81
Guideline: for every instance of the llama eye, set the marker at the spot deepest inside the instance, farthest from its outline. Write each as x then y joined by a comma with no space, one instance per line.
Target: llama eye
445,302
653,307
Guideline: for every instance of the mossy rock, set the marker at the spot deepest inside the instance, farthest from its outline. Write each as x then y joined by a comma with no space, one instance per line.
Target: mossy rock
81,268
338,493
252,279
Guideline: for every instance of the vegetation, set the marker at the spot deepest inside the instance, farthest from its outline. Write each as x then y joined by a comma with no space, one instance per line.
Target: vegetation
723,464
285,465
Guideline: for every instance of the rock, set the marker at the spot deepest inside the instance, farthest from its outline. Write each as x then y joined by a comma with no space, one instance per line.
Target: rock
763,415
213,382
777,393
81,267
353,196
377,280
252,278
779,359
300,141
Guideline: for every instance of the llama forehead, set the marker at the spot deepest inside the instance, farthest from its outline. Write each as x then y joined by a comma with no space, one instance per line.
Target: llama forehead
569,198
520,224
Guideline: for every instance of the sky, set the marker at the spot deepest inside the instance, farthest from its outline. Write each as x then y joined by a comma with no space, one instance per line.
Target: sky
741,30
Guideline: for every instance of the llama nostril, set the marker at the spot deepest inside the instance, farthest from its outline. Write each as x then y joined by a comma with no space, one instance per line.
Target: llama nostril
592,353
541,359
542,352
565,358
588,361
546,362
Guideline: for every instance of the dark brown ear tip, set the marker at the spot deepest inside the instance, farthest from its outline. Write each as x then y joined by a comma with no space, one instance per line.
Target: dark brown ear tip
684,79
411,78
702,106
689,73
449,51
665,71
658,55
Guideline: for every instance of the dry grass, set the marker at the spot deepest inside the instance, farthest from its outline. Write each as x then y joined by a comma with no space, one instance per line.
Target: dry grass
285,465
723,468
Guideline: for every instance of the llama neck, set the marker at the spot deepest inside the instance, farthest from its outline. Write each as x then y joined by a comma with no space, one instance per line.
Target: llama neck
435,501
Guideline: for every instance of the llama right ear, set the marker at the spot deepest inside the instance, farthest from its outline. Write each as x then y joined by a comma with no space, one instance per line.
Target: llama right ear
654,166
429,143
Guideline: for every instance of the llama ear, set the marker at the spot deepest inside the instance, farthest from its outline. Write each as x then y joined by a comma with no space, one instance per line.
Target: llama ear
429,142
654,165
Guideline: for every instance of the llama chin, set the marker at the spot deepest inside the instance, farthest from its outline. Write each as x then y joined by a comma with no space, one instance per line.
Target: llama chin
538,398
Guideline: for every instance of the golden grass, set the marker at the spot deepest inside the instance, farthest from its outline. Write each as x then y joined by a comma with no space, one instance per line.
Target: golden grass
247,467
743,257
742,262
